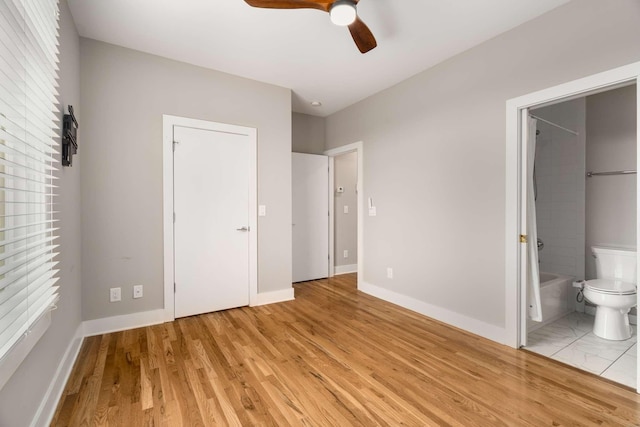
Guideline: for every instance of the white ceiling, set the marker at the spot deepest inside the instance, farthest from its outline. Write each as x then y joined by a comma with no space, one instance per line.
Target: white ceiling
301,49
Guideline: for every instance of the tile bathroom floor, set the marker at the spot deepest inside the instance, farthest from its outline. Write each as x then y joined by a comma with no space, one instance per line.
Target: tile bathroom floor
571,340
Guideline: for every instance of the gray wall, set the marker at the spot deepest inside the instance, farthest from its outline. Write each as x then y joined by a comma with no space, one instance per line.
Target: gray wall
611,145
560,174
21,396
124,95
434,152
308,134
346,225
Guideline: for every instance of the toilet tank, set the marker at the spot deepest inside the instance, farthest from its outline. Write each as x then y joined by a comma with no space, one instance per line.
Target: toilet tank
615,263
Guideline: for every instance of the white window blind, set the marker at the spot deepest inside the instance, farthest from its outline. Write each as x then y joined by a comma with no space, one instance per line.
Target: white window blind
29,119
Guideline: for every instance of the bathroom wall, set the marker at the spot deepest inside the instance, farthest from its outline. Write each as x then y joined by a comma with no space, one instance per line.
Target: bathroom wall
560,175
611,146
346,224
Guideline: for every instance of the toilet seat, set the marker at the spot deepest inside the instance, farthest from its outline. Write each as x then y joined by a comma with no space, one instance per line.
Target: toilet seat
611,286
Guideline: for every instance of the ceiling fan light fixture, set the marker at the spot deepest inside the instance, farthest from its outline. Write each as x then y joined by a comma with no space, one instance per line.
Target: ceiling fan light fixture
343,12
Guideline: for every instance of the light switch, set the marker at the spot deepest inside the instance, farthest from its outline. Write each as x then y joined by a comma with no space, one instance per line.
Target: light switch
346,209
262,210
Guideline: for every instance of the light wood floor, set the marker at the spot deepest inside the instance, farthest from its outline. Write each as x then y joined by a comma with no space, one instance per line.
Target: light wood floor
332,357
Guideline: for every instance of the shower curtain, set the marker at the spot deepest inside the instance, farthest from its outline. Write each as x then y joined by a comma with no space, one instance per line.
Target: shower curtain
533,271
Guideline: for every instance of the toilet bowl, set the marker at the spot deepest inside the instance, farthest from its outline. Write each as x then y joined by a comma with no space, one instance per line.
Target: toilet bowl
614,292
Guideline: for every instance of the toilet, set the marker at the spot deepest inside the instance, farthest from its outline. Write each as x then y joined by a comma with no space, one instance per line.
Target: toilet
613,292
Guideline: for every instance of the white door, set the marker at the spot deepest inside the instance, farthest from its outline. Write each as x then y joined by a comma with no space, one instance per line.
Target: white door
211,230
310,191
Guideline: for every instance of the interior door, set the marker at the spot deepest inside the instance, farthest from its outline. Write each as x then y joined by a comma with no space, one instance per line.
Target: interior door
310,192
211,230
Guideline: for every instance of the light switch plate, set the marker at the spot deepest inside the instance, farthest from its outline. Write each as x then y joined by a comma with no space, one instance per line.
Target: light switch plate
262,210
372,211
346,209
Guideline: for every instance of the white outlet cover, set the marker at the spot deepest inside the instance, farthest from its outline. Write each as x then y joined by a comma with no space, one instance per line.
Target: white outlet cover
389,273
262,210
345,253
115,295
346,209
137,291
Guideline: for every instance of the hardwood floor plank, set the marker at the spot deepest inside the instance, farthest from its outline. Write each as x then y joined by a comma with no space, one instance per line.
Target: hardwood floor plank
146,387
332,357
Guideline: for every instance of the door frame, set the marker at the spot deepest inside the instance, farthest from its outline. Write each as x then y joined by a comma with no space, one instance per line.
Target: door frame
358,147
168,122
516,110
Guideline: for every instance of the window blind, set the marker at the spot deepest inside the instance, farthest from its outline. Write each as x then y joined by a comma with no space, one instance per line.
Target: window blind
29,119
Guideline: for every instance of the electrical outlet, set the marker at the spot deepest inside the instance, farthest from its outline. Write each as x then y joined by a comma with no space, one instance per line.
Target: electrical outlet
115,294
389,273
137,291
345,254
346,209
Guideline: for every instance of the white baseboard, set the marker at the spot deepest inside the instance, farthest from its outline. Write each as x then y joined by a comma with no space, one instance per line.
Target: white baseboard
273,297
345,269
47,409
475,326
123,322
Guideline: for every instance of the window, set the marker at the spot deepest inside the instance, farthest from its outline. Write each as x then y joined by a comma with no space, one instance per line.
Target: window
29,120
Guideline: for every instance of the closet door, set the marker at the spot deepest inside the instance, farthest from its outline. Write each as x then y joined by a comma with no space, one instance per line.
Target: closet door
310,192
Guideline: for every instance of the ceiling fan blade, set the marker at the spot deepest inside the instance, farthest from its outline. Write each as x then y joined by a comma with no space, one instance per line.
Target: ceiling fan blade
324,5
362,35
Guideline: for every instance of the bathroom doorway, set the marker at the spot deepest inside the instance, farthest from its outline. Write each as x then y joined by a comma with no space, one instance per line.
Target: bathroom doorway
585,196
571,212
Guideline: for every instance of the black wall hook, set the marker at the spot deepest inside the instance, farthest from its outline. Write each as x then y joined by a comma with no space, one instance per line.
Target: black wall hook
69,137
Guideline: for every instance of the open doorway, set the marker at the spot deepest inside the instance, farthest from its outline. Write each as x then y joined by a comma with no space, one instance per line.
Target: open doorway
521,300
584,192
346,210
345,213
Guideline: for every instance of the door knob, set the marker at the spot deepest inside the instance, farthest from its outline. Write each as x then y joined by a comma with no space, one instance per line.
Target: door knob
243,229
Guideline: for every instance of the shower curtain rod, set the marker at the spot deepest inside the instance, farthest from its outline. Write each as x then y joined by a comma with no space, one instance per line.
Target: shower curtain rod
629,172
553,124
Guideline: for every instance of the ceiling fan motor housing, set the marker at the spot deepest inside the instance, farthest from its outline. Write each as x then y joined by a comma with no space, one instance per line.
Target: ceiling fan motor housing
343,12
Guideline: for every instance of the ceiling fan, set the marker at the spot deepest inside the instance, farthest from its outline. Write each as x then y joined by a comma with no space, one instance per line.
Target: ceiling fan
343,12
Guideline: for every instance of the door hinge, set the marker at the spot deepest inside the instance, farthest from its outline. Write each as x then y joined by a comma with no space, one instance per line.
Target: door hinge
174,287
523,238
174,145
174,217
